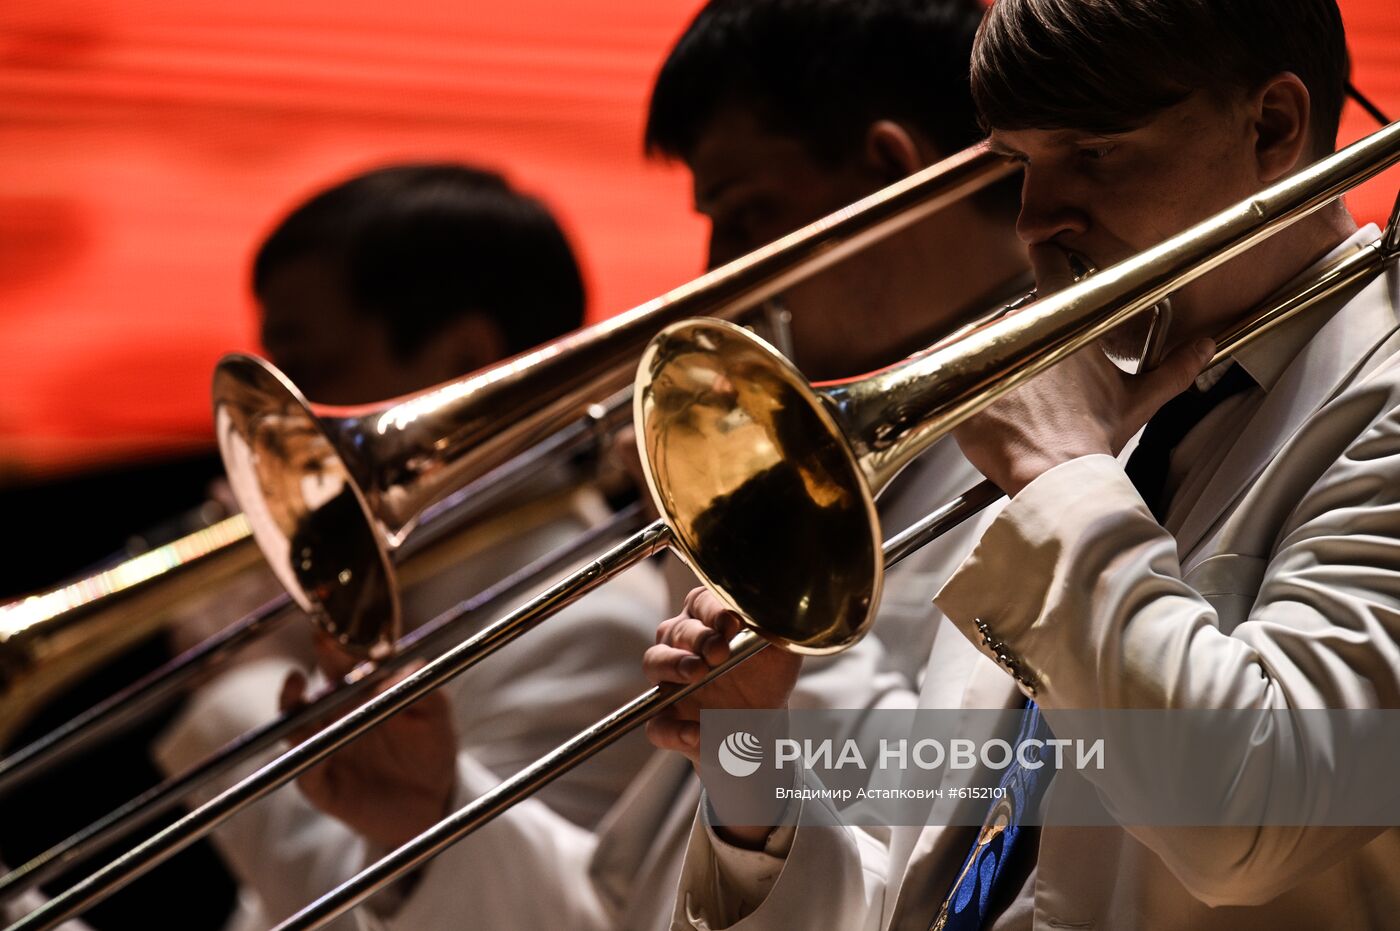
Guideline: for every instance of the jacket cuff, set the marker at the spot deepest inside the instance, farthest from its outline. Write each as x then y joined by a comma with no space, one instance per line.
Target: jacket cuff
749,874
997,597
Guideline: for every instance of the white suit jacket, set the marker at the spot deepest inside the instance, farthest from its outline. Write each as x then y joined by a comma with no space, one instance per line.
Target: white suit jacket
545,872
1278,588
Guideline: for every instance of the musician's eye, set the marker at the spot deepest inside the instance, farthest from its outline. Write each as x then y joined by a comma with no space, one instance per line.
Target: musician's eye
1095,153
1018,157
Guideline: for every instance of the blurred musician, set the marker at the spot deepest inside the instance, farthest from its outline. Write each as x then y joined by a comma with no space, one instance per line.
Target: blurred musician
783,110
384,284
1219,569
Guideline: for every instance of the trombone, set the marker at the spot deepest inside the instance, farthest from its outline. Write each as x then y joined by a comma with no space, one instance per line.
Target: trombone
49,639
705,386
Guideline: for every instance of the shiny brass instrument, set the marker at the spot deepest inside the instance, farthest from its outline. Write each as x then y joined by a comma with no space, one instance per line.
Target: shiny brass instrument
726,423
50,639
706,390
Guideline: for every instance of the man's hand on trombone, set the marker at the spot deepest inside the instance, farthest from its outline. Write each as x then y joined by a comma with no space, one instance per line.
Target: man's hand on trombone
687,647
395,781
690,645
1082,406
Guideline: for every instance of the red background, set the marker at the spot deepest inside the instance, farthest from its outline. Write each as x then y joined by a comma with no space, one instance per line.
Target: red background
146,145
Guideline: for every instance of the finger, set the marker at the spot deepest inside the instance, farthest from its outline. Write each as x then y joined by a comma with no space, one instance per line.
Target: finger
331,657
711,643
667,733
728,626
1178,370
293,691
293,699
662,663
706,606
663,630
691,597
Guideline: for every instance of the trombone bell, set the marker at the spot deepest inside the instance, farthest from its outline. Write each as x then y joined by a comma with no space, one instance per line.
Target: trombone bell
756,482
306,508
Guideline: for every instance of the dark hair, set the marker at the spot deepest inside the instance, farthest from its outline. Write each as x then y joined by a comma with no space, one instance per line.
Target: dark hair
1110,65
821,71
418,246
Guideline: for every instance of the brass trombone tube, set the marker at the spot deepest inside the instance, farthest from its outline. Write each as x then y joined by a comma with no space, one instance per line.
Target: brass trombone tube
53,637
376,469
1339,275
940,388
601,358
650,540
142,697
590,741
936,391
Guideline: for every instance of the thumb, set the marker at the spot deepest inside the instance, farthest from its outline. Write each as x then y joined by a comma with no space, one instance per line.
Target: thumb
331,657
293,691
1174,375
292,699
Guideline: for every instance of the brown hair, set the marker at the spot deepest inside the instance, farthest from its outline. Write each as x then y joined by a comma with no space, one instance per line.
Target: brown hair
1111,65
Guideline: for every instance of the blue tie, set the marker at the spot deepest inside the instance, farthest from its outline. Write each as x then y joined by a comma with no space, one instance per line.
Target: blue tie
968,904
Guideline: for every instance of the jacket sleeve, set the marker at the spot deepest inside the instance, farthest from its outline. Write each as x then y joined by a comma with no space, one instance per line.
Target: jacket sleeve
806,875
811,876
529,868
281,847
1103,618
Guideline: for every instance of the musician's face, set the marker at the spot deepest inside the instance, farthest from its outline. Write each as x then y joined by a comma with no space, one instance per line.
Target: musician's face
1106,198
755,185
332,353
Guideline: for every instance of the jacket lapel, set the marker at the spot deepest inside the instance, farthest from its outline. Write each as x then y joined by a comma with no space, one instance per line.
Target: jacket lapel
1354,334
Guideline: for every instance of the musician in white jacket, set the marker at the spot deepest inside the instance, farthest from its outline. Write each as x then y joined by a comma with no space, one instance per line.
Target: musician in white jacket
386,283
1246,557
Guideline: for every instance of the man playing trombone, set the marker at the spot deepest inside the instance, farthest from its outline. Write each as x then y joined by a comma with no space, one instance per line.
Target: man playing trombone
1244,557
382,284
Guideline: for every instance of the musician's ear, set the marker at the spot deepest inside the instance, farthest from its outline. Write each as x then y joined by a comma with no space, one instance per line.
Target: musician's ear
1280,113
893,151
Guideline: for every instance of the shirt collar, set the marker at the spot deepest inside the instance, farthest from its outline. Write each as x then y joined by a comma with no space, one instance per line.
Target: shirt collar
1266,358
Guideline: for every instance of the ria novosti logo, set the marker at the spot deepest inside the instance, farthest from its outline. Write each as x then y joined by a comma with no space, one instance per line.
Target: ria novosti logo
740,754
